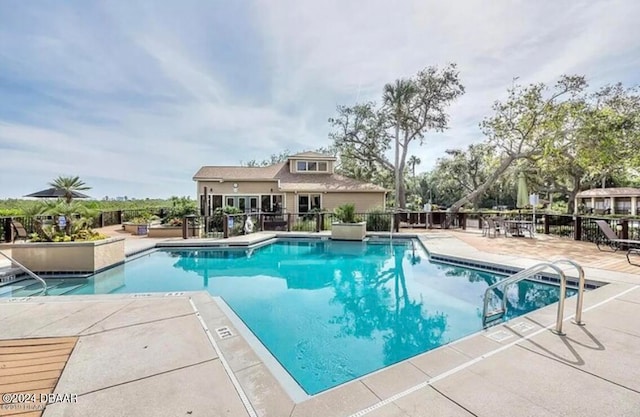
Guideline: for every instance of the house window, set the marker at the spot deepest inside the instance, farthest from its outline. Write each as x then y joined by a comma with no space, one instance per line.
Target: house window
277,203
312,166
623,206
213,202
308,202
271,202
303,203
246,203
265,203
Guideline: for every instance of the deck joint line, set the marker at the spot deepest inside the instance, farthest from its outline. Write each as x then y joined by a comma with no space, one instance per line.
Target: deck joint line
467,364
227,368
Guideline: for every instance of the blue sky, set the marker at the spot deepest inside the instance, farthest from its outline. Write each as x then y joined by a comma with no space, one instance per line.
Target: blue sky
135,96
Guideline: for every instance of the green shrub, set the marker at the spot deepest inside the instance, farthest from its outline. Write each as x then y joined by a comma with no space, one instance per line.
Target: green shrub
181,207
378,221
141,219
346,213
79,236
304,226
218,218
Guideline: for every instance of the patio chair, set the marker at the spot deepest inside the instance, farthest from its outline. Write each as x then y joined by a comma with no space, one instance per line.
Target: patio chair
502,227
488,227
611,239
20,231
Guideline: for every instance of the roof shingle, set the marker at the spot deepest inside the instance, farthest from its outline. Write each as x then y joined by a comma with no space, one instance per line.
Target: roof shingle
610,192
288,181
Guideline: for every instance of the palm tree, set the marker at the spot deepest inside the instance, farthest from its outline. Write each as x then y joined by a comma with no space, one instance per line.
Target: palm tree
413,161
397,98
69,185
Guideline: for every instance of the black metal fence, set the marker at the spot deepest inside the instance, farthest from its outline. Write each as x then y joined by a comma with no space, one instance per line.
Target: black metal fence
103,219
579,227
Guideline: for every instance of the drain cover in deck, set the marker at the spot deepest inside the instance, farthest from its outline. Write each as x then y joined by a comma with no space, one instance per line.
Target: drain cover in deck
500,336
224,332
523,327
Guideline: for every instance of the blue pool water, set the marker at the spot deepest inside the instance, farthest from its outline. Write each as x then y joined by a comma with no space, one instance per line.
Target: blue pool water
329,311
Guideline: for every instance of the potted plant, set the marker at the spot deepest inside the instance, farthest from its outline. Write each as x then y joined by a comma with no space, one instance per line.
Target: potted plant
138,225
171,223
347,227
68,244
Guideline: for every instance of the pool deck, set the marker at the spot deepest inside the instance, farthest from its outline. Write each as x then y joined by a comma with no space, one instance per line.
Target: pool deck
160,354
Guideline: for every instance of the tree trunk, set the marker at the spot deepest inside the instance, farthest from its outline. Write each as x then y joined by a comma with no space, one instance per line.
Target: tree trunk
397,167
571,204
477,193
403,164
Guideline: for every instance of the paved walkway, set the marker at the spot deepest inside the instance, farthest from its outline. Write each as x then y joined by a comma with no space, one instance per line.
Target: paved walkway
151,356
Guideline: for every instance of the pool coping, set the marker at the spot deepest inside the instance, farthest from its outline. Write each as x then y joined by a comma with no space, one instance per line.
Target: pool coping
482,333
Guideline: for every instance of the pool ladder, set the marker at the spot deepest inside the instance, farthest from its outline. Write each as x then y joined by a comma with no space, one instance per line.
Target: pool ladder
28,271
491,317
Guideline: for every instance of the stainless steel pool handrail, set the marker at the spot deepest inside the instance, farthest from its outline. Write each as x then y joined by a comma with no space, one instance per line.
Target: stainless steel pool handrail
581,283
512,279
28,271
531,271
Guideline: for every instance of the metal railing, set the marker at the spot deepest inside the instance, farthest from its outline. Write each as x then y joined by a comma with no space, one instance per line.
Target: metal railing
28,271
528,273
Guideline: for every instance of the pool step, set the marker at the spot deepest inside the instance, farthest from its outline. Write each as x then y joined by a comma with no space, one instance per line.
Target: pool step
31,287
494,316
9,274
21,289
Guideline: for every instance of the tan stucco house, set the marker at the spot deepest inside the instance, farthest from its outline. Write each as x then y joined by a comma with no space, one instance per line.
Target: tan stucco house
621,200
306,181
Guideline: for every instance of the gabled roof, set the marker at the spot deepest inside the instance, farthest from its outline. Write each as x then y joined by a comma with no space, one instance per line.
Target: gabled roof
229,173
322,182
312,155
610,192
288,181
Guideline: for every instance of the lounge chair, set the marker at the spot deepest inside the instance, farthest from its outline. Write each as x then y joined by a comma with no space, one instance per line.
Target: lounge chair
19,231
633,252
612,240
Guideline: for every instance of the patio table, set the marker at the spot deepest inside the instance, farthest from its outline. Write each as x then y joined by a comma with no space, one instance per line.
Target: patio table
520,226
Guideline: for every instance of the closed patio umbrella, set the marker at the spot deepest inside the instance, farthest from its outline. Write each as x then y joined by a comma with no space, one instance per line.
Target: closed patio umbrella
523,191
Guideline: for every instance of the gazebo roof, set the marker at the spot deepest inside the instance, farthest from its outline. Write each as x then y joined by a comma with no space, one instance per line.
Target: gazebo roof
610,192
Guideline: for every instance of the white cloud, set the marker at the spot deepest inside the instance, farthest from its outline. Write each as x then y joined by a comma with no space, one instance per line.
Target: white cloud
137,97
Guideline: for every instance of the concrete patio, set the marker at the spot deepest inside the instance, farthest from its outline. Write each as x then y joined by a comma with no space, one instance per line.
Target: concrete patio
160,354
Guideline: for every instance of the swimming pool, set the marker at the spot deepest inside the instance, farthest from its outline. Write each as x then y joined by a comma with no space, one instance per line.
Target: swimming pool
328,311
